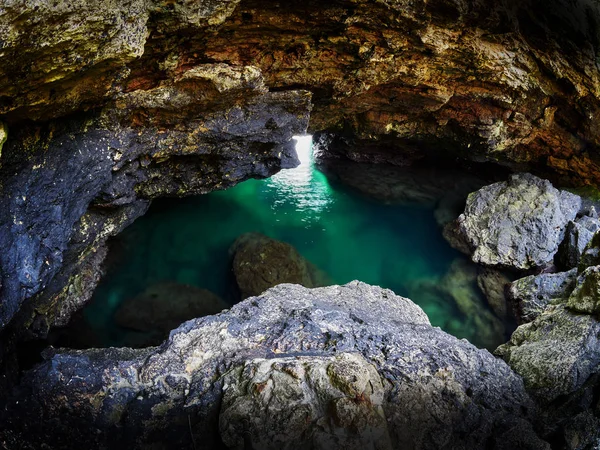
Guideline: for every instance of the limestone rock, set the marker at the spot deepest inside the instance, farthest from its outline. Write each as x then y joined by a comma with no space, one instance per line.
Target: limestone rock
578,234
517,224
86,178
531,295
431,389
556,353
164,306
324,403
260,263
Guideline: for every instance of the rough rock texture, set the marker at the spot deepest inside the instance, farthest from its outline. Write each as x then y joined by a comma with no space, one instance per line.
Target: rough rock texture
529,296
433,390
86,178
578,235
164,306
517,224
556,353
585,298
260,262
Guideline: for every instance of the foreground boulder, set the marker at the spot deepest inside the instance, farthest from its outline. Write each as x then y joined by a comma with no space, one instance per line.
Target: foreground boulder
516,224
351,366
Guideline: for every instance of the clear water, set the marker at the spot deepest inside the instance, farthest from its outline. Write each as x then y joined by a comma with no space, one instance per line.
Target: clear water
346,235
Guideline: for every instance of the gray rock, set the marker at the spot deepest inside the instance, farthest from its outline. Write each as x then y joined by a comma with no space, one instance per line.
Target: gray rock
517,224
556,353
432,390
260,262
577,236
591,254
313,402
531,295
585,298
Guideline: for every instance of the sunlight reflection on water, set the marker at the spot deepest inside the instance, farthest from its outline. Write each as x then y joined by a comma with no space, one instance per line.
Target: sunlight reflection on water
305,187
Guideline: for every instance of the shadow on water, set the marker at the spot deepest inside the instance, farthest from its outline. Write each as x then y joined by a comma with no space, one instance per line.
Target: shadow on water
346,234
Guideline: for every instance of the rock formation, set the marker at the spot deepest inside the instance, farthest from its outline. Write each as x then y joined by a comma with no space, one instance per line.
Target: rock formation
340,367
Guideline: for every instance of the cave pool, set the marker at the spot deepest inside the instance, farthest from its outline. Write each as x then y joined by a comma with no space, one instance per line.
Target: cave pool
347,235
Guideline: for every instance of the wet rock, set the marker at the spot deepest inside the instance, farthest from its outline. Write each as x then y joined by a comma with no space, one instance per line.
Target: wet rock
493,284
335,402
260,263
517,224
578,235
531,295
363,343
86,178
164,306
556,353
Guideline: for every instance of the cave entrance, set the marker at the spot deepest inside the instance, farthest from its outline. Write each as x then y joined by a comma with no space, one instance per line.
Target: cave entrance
321,223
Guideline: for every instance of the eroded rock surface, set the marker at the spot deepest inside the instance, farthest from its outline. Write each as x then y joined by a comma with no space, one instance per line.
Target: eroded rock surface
86,178
531,295
517,224
372,352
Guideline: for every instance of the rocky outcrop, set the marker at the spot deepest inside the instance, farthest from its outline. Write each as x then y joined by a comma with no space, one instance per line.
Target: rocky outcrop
260,262
578,235
380,373
517,224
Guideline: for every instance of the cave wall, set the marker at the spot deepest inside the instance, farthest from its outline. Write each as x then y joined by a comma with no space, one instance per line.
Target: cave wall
111,104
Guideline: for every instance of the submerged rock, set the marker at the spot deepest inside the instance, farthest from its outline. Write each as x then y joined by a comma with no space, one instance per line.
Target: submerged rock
369,356
260,262
585,298
164,306
531,295
517,224
493,284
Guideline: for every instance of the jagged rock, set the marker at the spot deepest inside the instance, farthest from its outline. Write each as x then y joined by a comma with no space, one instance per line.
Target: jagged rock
436,391
591,254
577,236
313,402
260,263
531,295
517,224
164,306
585,298
493,284
556,353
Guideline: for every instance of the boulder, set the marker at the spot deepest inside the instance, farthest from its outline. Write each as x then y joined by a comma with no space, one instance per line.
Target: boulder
556,353
529,296
578,234
164,306
260,262
355,366
493,284
517,224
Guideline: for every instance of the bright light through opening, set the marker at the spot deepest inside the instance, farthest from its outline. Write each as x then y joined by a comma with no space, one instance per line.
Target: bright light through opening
304,149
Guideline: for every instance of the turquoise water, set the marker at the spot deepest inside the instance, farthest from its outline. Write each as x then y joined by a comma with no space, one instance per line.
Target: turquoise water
346,235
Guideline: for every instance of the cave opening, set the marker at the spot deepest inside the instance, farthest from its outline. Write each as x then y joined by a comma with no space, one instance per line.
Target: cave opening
327,221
